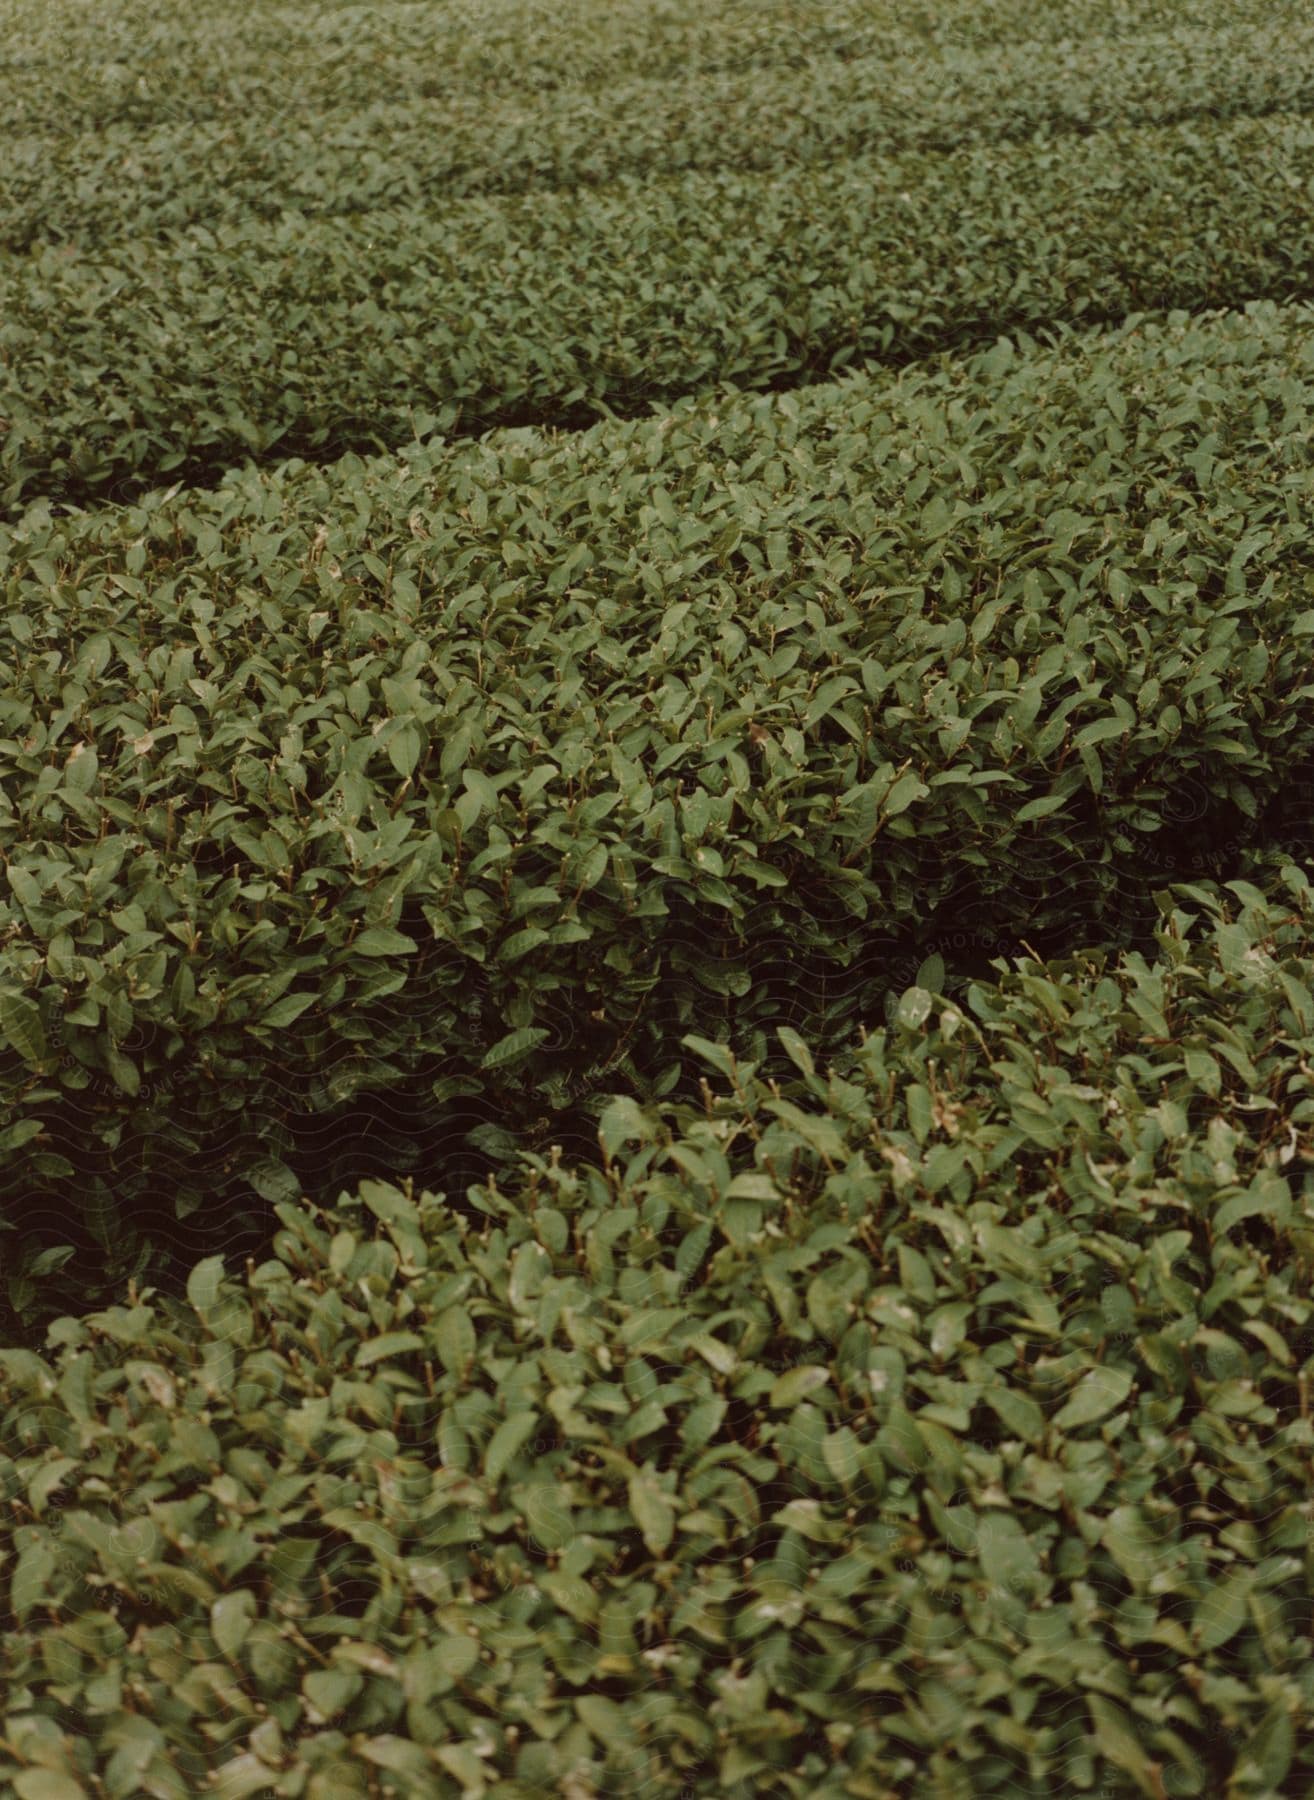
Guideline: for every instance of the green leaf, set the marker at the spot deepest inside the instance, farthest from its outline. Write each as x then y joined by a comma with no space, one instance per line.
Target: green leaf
807,1517
231,1618
390,1206
21,1028
902,795
796,1384
605,1720
623,1120
1204,1071
653,1512
46,1480
50,1784
520,943
511,1435
844,1455
818,1130
399,1756
454,1339
1268,1196
22,1133
274,1181
1099,1392
949,1328
1099,733
1223,1610
702,1421
1270,1751
29,1582
284,1011
462,1764
796,1050
331,1691
515,1046
452,1656
1040,808
204,1282
1018,1412
714,1351
381,940
392,1343
915,1008
1133,1545
1118,1743
80,769
931,975
404,749
127,1076
588,872
827,696
718,1056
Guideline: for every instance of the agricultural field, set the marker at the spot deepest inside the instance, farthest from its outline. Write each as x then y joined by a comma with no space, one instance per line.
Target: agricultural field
656,946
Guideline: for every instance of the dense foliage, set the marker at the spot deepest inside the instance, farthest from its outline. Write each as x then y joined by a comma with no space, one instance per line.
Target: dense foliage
187,158
504,766
671,1041
68,69
936,1426
181,352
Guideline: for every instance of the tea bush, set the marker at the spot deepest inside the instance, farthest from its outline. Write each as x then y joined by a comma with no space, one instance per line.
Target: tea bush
178,159
68,70
502,767
937,1424
182,352
656,983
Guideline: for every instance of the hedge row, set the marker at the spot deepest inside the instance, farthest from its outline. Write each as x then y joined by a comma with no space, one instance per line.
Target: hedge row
185,353
67,70
936,1426
164,173
502,767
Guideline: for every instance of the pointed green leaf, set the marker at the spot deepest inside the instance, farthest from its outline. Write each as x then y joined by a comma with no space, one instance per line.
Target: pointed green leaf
1099,1392
511,1435
381,940
231,1617
392,1343
653,1512
21,1028
514,1046
454,1339
1223,1610
203,1283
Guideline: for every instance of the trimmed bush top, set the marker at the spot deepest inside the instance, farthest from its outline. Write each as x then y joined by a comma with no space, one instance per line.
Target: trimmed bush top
688,725
937,1424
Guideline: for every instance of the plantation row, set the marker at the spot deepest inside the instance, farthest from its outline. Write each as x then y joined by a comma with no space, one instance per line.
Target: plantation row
328,780
145,176
70,71
183,355
937,1427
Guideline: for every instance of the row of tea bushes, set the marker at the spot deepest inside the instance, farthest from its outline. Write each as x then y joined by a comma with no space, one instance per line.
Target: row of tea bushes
68,70
506,765
938,1424
183,353
140,177
513,762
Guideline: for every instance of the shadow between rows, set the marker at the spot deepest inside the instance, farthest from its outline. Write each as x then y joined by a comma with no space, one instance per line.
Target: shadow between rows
116,1208
815,366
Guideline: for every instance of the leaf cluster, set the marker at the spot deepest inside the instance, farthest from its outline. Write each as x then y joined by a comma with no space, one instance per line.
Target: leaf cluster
195,157
186,351
507,765
938,1420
